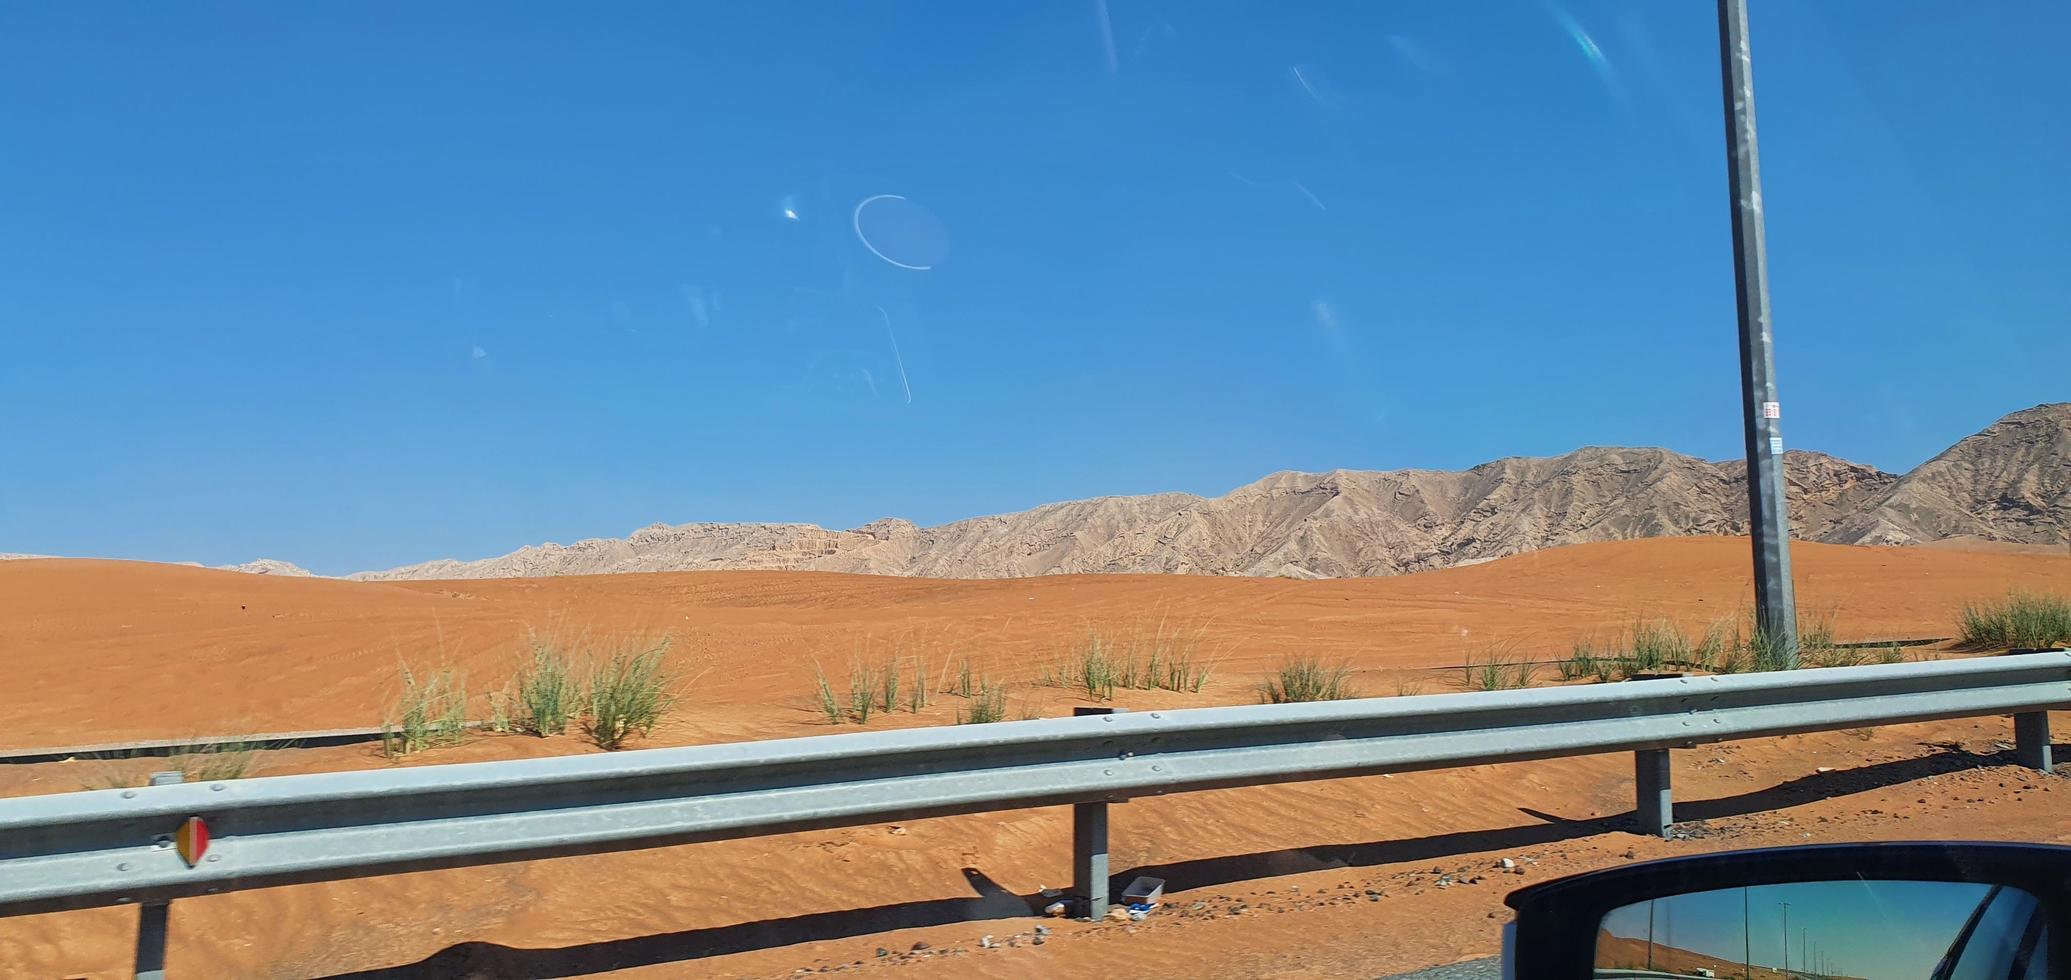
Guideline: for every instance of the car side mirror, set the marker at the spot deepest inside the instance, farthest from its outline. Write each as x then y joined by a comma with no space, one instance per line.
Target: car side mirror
1921,911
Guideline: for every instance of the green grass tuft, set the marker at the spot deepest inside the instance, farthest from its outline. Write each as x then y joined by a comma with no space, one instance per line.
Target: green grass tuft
1495,671
1307,678
917,697
890,687
862,692
431,712
548,695
211,761
988,704
2021,619
628,694
823,696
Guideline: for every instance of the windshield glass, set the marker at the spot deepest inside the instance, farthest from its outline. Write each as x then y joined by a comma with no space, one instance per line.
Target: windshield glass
453,385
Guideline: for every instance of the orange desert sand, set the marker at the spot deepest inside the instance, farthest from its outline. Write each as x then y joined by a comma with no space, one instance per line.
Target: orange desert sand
1336,878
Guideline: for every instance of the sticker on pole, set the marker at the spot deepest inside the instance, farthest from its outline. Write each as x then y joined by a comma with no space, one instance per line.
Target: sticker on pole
1775,445
1772,410
192,841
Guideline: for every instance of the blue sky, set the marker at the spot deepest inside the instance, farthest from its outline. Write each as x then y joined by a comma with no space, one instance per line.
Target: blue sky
361,284
1889,930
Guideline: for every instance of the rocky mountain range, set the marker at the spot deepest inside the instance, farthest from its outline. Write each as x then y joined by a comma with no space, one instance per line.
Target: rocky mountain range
2010,483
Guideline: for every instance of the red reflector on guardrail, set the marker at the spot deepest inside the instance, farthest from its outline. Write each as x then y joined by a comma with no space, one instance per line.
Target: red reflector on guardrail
192,840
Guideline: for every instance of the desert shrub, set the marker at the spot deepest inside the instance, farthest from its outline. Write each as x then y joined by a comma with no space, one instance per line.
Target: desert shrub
1307,678
1816,646
1656,644
917,697
430,712
988,704
2021,619
1164,658
628,694
823,697
1581,662
1891,655
210,761
862,694
1171,659
1408,686
500,703
889,687
1751,647
963,686
547,695
1832,656
1710,651
1095,668
1496,672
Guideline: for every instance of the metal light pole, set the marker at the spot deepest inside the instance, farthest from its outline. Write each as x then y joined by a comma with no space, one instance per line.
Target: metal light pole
1785,908
1776,608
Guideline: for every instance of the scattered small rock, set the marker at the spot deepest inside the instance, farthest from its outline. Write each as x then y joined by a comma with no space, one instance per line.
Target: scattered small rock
1045,930
1506,864
1039,940
921,945
883,952
985,942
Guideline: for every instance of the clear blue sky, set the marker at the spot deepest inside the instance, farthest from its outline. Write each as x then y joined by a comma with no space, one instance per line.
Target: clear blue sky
354,285
1884,930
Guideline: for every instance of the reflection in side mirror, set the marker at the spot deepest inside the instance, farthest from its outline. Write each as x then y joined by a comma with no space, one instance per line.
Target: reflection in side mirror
1872,930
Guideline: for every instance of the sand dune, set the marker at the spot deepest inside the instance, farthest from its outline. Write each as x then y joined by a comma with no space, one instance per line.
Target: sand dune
109,650
125,649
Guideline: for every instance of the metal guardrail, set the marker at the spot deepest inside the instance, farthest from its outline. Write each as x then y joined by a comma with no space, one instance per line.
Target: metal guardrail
267,742
108,847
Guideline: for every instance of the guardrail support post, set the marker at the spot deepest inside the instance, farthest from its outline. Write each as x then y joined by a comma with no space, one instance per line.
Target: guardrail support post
154,917
1656,808
1089,871
2031,740
1089,858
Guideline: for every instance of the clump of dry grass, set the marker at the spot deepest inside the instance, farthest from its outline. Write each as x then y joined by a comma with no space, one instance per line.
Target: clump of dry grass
628,693
2021,619
988,704
1307,678
1165,657
547,694
429,713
